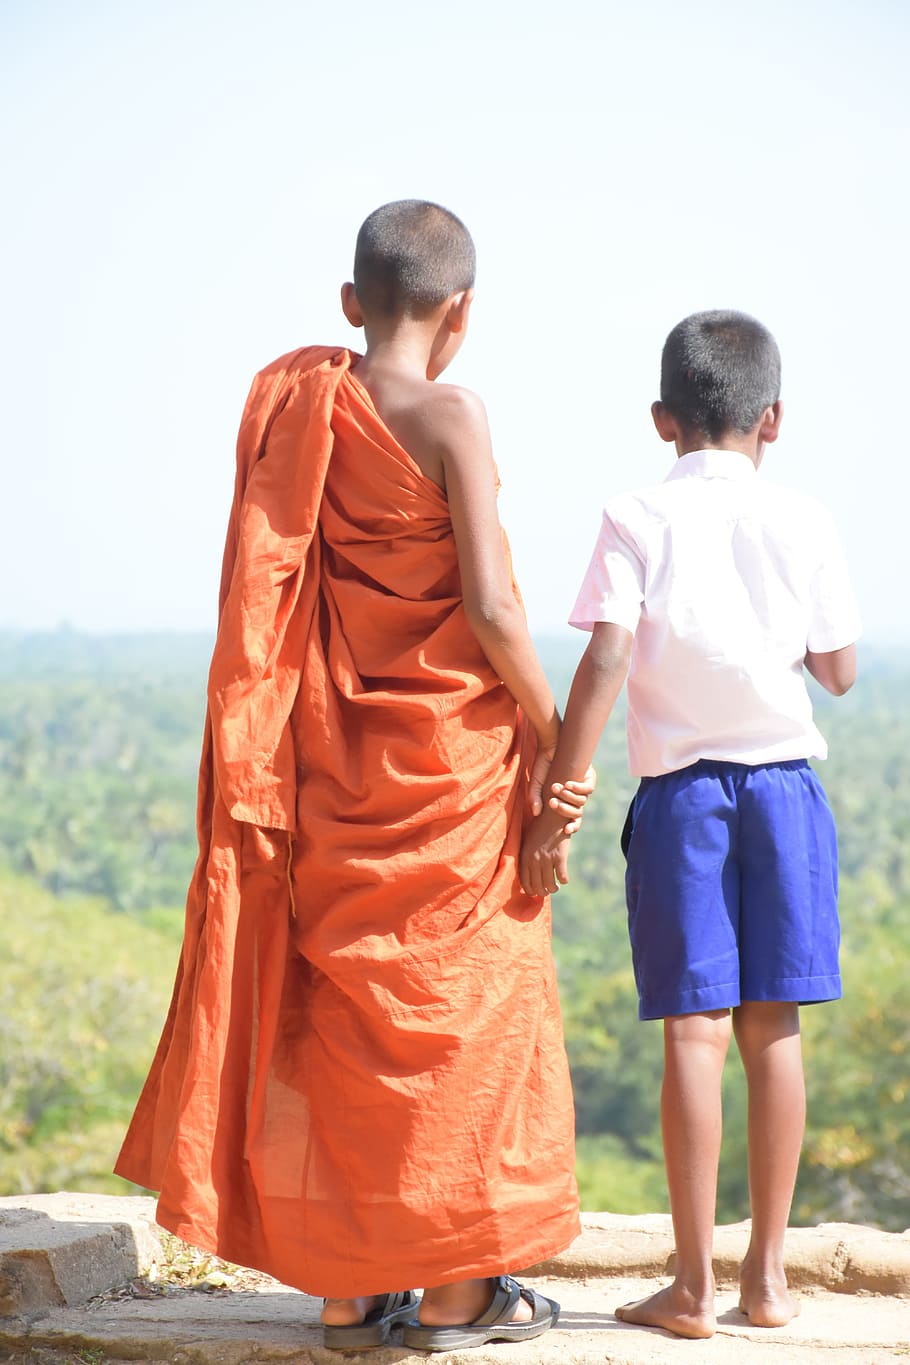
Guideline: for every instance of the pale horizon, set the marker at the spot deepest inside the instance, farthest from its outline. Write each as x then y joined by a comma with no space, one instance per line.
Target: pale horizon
187,182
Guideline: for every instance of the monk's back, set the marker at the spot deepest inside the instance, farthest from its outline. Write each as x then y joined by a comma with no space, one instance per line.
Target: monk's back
390,578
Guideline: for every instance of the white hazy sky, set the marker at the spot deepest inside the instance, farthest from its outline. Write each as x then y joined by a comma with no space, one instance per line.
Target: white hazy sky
184,180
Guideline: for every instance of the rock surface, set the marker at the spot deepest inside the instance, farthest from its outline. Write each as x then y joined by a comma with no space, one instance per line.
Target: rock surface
62,1255
61,1249
842,1257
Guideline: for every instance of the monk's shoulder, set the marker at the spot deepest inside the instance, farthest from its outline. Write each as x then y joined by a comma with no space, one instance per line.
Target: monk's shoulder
459,403
440,425
298,361
449,414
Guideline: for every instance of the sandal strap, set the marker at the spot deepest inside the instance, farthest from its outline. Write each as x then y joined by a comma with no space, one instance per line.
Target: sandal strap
541,1307
506,1293
396,1300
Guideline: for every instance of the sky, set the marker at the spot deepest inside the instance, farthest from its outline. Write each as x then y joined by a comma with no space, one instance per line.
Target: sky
185,179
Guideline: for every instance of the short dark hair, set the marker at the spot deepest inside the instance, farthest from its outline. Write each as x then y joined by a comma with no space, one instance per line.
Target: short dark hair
411,255
719,372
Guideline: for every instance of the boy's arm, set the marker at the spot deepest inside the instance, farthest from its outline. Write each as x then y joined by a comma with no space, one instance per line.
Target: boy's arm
597,683
493,612
833,612
834,669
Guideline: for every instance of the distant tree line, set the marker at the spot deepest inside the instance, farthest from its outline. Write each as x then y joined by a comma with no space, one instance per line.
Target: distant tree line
99,748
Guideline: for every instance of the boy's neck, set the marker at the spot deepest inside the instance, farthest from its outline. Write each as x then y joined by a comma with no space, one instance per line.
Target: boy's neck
414,349
404,349
737,443
749,443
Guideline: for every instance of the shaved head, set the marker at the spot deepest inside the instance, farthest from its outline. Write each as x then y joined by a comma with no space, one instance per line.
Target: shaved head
410,257
719,372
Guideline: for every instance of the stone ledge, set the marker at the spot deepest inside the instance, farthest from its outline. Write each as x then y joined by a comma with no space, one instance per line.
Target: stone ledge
58,1251
841,1257
280,1326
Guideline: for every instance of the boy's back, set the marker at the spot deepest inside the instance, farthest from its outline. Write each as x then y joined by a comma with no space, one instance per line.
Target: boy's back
723,578
719,588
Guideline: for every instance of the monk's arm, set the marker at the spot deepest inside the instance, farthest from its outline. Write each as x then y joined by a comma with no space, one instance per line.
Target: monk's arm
495,616
597,683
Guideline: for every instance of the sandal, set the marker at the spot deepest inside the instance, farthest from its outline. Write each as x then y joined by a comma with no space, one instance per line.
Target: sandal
376,1326
495,1324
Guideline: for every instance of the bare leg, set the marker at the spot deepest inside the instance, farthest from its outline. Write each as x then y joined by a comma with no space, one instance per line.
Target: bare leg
695,1046
451,1305
767,1035
347,1312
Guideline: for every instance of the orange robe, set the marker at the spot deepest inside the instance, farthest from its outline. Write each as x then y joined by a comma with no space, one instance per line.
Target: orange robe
362,1084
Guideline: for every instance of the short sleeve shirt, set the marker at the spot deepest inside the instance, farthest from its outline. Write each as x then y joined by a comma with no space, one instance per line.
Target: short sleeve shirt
725,580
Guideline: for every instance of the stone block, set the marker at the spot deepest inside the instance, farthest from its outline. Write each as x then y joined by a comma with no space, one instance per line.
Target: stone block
58,1250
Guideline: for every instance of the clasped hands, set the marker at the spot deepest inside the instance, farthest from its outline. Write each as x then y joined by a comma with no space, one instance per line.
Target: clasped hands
544,861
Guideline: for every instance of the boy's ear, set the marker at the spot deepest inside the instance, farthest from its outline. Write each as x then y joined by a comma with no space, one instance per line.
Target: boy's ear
771,418
458,310
350,305
665,422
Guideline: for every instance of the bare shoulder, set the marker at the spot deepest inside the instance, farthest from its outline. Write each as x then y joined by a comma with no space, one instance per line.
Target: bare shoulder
448,411
443,428
457,433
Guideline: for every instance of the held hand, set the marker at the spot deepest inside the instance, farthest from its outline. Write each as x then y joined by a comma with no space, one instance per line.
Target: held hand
569,799
539,776
543,865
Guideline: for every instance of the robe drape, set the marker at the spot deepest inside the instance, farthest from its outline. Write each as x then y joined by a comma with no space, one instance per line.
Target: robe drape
362,1083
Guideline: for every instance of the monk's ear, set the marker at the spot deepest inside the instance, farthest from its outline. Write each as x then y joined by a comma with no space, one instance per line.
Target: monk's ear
459,309
350,305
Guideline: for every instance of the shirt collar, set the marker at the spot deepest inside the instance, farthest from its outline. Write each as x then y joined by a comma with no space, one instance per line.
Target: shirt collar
713,464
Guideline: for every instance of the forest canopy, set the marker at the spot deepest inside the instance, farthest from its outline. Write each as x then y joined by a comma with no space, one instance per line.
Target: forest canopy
99,743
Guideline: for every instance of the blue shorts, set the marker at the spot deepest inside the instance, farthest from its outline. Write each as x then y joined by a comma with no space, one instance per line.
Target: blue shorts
731,887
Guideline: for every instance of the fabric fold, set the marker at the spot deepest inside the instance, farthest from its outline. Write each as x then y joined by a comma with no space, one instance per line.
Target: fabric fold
362,1083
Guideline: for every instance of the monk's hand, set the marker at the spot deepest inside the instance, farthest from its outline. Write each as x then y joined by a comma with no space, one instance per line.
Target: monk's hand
568,799
539,771
543,865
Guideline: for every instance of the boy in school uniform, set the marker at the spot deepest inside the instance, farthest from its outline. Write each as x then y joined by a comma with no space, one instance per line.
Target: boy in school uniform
715,590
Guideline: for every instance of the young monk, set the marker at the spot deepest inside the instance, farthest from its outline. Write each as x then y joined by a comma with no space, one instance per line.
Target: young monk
362,1083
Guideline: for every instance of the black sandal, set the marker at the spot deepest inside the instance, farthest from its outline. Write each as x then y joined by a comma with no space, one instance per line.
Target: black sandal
376,1326
495,1324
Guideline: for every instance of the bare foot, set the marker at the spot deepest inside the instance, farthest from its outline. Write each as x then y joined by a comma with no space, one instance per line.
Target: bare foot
347,1312
674,1309
456,1305
766,1300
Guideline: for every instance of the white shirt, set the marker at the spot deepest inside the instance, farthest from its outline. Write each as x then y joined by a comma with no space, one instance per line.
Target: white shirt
725,581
